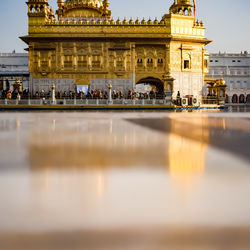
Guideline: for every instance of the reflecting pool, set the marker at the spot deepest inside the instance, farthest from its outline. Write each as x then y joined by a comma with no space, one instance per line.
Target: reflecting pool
109,180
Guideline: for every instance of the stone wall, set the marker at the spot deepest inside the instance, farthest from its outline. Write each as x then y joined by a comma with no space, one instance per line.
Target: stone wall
45,84
117,84
188,84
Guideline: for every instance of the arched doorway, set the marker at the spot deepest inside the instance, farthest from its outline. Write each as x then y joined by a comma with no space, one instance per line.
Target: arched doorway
242,99
248,99
155,83
235,99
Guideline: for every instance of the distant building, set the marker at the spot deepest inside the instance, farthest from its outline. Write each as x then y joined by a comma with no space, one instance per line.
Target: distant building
13,65
236,72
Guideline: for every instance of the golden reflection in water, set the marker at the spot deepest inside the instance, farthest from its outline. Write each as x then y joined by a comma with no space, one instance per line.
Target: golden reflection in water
110,127
57,186
187,150
18,124
100,184
18,127
103,145
224,124
54,125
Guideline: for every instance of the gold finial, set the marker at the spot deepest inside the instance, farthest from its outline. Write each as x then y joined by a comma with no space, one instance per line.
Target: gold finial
53,86
143,22
156,22
118,22
150,21
162,22
124,22
106,21
110,86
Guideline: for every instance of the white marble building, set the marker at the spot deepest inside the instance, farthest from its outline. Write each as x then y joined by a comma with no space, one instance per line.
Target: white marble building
13,65
236,72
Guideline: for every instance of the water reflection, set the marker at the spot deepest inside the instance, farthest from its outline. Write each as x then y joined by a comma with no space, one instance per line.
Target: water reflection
187,157
239,108
105,144
86,172
226,134
9,125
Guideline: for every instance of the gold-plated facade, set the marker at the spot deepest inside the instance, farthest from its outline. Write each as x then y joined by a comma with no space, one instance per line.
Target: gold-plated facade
85,44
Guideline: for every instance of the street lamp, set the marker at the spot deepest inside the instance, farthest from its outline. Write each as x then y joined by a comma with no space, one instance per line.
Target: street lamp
110,93
53,88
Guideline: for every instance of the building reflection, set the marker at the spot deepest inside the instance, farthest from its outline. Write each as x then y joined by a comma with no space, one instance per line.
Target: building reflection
99,148
89,160
187,156
52,186
189,140
110,144
120,144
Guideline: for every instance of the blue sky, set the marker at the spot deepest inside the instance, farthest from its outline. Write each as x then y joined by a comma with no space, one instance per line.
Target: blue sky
227,21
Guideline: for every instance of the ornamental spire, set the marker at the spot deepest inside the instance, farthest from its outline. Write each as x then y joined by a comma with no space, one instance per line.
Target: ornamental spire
182,7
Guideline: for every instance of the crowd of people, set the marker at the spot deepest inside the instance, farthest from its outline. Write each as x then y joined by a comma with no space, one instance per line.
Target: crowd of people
8,94
92,94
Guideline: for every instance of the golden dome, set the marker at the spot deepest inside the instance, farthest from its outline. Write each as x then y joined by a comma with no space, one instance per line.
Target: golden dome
85,8
95,3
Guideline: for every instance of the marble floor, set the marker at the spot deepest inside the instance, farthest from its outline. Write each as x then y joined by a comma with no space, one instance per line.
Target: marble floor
129,180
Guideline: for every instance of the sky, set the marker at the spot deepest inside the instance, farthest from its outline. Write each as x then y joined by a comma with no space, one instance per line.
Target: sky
226,21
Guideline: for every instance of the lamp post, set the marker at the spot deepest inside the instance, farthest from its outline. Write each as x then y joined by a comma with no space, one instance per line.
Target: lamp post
110,93
53,98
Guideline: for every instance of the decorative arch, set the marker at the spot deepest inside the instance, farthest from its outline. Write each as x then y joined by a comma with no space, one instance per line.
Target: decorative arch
153,81
234,98
242,99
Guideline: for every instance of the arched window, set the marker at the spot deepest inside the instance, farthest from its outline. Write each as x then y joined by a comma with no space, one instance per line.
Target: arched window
139,60
186,64
160,61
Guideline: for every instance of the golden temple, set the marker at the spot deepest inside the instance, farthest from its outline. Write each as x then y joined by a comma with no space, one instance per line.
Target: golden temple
83,45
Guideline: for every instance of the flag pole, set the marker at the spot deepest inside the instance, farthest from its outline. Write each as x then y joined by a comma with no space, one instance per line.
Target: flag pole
194,10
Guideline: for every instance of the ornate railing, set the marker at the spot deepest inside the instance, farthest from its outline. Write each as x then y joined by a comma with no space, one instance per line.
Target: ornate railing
89,102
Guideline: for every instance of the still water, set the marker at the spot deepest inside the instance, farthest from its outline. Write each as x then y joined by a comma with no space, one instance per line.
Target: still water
109,180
